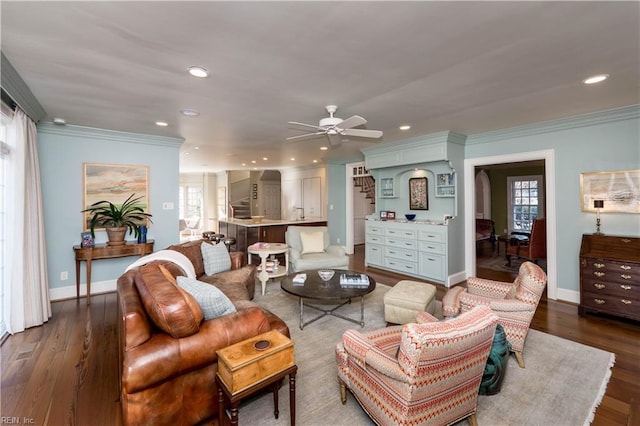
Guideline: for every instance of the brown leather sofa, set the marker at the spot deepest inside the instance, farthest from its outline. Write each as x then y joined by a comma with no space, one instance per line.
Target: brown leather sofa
167,353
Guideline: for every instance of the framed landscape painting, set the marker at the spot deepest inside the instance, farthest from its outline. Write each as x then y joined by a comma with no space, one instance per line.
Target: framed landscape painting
113,183
620,191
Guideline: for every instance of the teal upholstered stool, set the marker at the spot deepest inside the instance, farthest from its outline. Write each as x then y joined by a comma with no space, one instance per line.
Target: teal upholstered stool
496,364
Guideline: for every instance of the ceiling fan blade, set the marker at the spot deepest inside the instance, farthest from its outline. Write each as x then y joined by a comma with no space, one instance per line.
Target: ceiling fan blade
307,135
363,133
335,139
350,122
305,125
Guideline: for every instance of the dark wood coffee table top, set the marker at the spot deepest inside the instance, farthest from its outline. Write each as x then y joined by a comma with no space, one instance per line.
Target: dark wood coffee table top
315,288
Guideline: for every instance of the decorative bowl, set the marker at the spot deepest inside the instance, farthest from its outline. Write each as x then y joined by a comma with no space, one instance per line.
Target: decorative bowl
326,274
257,219
410,216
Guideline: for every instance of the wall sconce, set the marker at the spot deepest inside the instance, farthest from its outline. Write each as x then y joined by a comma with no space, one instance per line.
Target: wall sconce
598,204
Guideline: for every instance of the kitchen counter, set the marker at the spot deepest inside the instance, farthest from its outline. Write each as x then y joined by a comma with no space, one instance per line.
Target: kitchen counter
247,232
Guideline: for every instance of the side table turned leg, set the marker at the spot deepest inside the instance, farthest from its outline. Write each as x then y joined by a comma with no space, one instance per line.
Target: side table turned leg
292,397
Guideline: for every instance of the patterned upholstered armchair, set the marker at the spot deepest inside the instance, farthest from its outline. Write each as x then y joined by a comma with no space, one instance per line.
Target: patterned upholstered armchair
515,303
427,372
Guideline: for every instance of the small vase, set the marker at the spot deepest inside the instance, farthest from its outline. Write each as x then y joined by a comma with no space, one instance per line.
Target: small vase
142,234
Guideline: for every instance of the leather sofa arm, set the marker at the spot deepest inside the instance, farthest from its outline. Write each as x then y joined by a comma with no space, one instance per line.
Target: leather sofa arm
237,259
162,357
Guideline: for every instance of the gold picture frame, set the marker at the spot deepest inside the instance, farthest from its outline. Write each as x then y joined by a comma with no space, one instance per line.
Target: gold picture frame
113,183
620,191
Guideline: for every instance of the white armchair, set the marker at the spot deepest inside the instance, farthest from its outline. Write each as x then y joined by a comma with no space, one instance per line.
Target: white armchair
310,248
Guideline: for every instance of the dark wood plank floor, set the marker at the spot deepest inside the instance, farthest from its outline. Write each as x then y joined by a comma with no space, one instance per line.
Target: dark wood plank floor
65,372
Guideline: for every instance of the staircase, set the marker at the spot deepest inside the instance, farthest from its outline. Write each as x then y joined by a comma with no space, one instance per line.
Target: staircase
367,185
240,209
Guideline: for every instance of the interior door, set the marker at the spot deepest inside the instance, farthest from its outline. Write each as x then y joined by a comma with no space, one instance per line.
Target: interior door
271,200
312,197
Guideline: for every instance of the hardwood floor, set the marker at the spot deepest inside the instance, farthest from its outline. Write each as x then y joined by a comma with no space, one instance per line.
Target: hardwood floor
65,372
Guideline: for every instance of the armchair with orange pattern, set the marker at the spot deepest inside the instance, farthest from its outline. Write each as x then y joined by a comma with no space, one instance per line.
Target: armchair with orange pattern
515,303
427,372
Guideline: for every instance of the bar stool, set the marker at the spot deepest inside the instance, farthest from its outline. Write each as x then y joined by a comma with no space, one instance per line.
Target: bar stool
212,236
229,241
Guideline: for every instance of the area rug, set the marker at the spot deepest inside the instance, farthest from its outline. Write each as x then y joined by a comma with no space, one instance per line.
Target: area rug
562,384
499,263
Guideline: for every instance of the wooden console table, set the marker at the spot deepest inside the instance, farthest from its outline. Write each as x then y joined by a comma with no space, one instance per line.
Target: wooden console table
104,251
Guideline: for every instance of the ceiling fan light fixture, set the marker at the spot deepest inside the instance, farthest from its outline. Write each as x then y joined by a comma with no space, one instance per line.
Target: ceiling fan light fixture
595,79
189,112
198,72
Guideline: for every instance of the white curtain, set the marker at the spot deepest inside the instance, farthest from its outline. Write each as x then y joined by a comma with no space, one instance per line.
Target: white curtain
27,290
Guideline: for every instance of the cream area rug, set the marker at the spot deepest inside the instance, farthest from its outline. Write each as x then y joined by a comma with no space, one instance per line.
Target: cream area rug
562,384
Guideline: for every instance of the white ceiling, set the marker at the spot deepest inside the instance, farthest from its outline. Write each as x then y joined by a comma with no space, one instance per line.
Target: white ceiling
468,67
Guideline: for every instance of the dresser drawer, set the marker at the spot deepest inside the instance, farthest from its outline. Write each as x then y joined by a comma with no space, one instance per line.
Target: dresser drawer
407,234
400,243
374,239
401,254
432,266
429,247
624,290
610,271
432,235
402,266
625,306
372,228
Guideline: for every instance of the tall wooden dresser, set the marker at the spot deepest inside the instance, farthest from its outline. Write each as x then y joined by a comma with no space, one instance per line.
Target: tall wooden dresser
610,275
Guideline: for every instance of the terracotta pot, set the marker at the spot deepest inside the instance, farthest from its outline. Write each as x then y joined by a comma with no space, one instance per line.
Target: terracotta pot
116,235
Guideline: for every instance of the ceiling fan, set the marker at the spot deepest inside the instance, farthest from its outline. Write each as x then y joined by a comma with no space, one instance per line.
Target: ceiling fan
335,128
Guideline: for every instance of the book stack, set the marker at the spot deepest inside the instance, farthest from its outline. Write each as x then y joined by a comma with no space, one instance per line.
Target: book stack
354,280
299,279
269,266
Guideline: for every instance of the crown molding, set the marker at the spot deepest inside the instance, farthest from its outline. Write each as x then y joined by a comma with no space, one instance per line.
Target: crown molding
590,119
15,87
433,138
107,135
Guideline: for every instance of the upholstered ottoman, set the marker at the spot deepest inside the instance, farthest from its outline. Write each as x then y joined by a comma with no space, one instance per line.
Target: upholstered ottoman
404,300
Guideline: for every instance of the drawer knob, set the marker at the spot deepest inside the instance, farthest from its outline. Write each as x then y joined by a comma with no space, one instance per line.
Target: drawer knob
599,301
626,301
599,274
626,277
625,287
625,267
599,265
599,286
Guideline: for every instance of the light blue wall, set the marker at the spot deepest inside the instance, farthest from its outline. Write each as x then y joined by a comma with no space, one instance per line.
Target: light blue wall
336,218
62,151
605,141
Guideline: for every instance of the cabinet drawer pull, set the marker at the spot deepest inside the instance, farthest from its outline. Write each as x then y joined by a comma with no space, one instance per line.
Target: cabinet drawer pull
599,286
625,287
408,233
625,301
626,277
430,247
408,244
599,274
392,252
430,236
430,259
408,254
625,240
374,249
599,265
599,301
625,267
408,267
392,232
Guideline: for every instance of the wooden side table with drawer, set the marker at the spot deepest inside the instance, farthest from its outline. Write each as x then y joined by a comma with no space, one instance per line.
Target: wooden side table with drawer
252,365
610,275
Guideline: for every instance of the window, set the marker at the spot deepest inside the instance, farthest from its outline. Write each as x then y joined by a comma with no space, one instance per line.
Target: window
525,201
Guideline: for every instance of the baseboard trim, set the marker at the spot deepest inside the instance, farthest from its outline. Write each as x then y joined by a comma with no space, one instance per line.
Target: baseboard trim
69,292
565,295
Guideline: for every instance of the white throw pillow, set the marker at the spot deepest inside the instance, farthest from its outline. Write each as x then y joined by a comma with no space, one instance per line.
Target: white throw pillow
212,300
215,258
312,242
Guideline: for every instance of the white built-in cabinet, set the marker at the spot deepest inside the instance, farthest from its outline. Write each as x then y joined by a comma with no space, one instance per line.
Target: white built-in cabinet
411,248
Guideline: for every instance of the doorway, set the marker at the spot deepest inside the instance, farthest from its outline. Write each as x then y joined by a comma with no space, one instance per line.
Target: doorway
470,200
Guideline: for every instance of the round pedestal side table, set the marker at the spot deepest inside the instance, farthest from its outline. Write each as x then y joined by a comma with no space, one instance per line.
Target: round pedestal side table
264,250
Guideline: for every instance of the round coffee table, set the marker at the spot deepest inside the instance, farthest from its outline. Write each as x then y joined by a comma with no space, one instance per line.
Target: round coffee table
315,289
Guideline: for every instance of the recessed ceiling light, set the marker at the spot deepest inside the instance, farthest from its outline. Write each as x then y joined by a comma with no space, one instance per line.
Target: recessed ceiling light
595,79
253,161
243,164
264,158
324,148
196,147
198,72
404,127
293,158
162,123
315,161
189,112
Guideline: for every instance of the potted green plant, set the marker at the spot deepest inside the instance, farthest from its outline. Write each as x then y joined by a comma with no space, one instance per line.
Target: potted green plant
117,220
